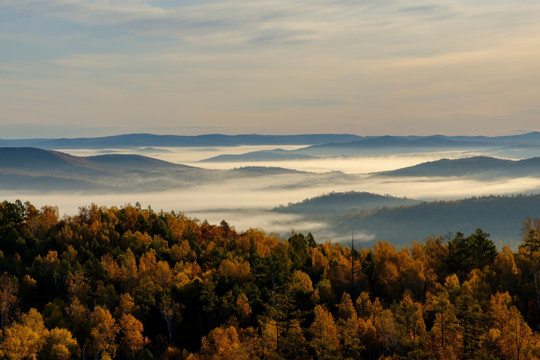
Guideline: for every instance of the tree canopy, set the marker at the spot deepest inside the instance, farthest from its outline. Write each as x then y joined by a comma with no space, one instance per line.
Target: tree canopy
132,283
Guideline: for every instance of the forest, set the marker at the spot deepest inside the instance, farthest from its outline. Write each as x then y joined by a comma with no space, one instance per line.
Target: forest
133,283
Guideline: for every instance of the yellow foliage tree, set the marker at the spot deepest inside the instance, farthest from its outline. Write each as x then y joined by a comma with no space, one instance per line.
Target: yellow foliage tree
325,335
103,333
59,345
24,340
510,337
225,343
132,338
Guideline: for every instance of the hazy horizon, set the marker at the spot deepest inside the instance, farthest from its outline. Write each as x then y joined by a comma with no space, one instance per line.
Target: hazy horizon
89,68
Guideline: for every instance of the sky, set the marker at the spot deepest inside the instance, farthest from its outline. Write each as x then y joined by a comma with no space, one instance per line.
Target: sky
102,67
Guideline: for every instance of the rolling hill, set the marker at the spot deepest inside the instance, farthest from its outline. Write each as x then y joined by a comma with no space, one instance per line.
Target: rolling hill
343,202
480,166
501,216
265,155
38,169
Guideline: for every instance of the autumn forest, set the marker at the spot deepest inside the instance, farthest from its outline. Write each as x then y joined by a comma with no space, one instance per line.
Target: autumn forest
133,283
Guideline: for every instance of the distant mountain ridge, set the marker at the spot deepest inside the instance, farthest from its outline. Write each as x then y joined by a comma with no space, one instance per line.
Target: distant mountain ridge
316,143
264,155
472,166
386,145
142,140
29,158
38,169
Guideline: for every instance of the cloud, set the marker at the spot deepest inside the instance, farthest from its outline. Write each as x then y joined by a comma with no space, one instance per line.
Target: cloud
368,67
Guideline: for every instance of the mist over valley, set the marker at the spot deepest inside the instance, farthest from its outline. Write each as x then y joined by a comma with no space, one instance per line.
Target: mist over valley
325,192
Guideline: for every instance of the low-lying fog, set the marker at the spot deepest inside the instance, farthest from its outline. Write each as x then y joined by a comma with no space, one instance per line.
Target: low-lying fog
245,203
349,165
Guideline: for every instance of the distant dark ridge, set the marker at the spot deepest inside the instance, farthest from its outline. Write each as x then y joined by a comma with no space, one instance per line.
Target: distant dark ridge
141,140
34,158
326,141
44,170
266,170
434,141
471,166
44,182
129,160
266,155
344,202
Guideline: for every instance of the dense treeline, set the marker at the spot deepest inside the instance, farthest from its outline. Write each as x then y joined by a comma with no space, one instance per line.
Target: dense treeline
131,283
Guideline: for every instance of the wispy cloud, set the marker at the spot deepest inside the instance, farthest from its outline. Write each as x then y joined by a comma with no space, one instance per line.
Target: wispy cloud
375,66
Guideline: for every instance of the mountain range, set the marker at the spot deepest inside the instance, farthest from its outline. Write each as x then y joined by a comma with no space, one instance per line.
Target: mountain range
526,145
315,143
145,140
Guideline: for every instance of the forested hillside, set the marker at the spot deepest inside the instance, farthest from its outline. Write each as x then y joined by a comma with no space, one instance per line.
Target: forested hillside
131,283
402,220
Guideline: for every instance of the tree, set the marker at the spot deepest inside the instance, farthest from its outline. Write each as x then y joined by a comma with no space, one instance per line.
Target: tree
472,252
78,314
8,297
128,269
473,323
294,342
483,249
24,340
351,338
506,270
325,335
59,345
126,305
242,306
131,334
530,249
345,309
51,262
386,273
78,287
510,337
170,310
271,338
445,340
228,343
103,333
409,321
386,330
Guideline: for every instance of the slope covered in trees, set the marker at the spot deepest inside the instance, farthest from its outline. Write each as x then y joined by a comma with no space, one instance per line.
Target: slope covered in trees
392,219
131,283
343,203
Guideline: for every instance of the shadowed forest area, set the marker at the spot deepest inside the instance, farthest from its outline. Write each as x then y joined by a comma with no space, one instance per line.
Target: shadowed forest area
132,283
